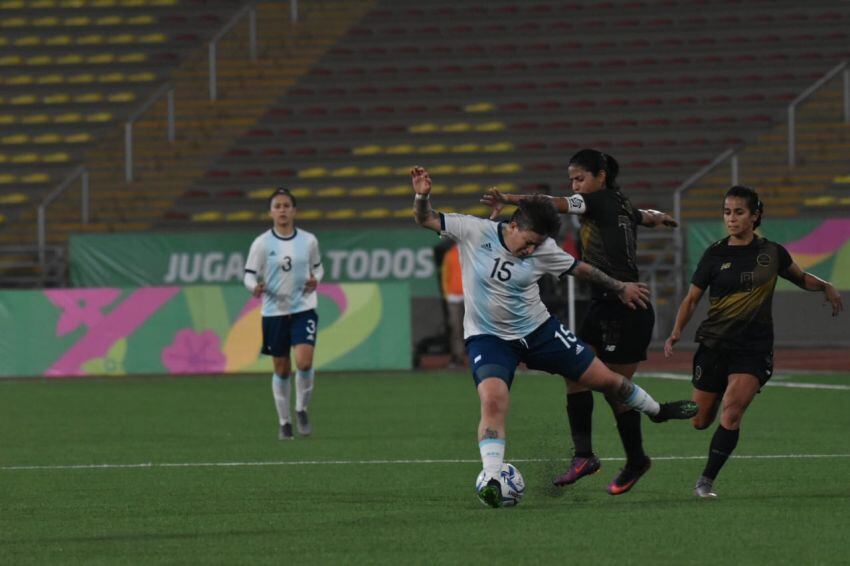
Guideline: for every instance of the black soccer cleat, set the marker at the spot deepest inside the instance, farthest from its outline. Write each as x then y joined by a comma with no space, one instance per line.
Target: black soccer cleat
677,410
491,493
303,422
285,432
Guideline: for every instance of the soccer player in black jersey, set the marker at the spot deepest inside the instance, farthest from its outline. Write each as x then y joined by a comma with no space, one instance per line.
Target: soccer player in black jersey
735,355
619,335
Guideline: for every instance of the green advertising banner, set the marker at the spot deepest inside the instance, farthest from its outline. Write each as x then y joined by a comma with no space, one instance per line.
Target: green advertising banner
202,258
819,246
194,330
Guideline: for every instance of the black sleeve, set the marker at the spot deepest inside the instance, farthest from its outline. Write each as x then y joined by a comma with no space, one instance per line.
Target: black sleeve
702,274
785,261
595,203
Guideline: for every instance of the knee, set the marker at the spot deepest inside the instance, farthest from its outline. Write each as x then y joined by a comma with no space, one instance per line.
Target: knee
493,405
732,417
701,422
304,366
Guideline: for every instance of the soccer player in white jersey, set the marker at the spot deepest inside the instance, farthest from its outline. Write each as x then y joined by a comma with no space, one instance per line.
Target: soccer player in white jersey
284,267
505,321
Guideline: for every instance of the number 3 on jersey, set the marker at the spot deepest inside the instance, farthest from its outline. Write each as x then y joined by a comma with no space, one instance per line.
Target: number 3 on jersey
566,336
502,273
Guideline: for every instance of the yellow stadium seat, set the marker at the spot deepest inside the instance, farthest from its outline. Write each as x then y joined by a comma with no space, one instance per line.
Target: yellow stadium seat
54,78
13,22
6,119
479,107
457,127
121,39
59,98
59,157
490,127
81,137
121,97
27,41
3,41
48,21
111,20
35,178
68,118
47,138
100,59
99,117
18,80
142,77
70,59
82,78
23,99
98,3
498,147
423,128
309,214
12,5
467,188
91,39
6,178
313,172
408,212
260,193
376,213
208,216
477,210
13,198
14,139
331,192
443,170
437,189
241,216
2,218
111,78
132,58
367,150
432,148
842,179
88,98
825,200
36,119
41,4
377,171
40,60
350,171
402,171
3,159
844,201
466,148
506,168
77,21
399,190
472,169
402,149
298,192
152,38
9,60
368,191
58,40
342,214
140,20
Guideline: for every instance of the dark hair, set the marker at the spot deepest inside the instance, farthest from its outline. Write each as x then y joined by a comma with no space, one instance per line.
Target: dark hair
750,195
595,161
538,214
282,191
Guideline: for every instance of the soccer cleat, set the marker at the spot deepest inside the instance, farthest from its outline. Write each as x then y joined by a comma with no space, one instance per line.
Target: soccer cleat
579,467
285,432
675,410
627,478
304,427
704,488
491,493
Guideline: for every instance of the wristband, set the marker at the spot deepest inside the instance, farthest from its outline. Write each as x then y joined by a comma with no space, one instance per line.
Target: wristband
420,196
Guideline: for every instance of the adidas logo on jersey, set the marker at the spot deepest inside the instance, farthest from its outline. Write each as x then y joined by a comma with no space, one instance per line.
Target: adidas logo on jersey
487,246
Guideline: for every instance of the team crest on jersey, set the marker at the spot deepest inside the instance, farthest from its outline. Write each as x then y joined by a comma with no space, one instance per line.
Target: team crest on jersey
763,260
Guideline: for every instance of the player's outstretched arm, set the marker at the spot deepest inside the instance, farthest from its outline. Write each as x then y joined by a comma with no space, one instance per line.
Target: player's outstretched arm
633,295
655,218
686,311
496,200
424,215
808,282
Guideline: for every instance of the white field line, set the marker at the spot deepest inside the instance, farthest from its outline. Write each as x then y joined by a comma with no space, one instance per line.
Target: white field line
153,465
792,384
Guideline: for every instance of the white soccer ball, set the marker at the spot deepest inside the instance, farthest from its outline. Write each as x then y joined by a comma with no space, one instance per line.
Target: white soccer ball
513,485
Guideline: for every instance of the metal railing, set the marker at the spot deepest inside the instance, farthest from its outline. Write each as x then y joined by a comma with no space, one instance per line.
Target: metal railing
678,236
251,11
85,207
792,107
166,89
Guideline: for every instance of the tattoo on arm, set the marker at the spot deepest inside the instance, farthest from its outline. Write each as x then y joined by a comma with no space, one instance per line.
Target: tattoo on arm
490,433
597,277
422,210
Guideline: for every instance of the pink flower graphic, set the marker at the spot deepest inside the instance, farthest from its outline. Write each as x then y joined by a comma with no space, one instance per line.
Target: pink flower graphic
194,353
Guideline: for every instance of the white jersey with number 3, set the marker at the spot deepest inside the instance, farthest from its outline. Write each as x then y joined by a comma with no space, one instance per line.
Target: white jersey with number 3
500,292
284,264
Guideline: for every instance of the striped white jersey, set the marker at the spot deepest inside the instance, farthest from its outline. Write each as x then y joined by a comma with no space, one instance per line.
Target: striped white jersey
500,292
284,264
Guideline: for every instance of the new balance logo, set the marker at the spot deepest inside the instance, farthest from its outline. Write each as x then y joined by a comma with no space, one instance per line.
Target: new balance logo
487,246
610,347
726,265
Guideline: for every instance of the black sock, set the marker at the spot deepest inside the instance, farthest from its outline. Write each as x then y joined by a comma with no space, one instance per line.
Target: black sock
580,415
628,424
722,445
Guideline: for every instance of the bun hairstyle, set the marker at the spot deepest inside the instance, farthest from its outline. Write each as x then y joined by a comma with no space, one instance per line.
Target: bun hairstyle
751,197
594,161
282,191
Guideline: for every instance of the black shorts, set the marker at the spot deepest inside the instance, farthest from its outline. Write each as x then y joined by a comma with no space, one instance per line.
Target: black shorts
712,368
619,334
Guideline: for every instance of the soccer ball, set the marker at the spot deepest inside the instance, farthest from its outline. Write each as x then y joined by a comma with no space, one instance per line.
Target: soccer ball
513,485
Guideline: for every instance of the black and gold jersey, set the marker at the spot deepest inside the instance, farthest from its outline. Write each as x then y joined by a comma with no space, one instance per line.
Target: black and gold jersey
740,282
609,237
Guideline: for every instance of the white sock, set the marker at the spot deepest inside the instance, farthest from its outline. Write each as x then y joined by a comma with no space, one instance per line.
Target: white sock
303,388
492,455
642,401
280,389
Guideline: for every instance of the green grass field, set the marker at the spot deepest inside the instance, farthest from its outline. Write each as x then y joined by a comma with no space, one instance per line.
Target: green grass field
189,470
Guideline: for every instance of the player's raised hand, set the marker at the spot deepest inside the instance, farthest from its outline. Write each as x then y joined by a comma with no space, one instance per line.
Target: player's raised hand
421,180
668,344
495,200
834,298
634,295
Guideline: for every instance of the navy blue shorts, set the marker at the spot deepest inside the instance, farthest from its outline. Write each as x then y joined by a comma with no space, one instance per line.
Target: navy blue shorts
552,348
280,333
